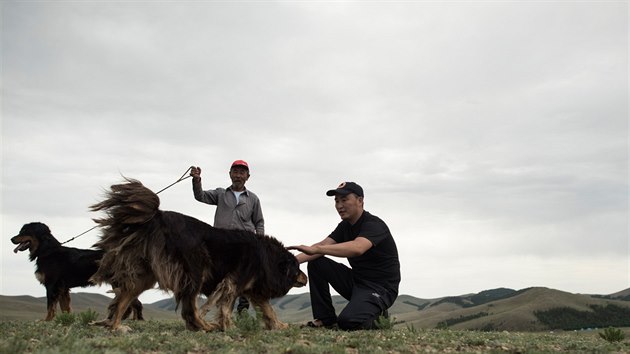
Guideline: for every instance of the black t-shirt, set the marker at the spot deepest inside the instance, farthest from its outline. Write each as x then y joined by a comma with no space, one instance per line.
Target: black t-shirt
380,263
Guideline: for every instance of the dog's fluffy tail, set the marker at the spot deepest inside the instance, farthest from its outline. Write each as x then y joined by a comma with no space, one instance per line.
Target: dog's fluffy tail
129,203
129,207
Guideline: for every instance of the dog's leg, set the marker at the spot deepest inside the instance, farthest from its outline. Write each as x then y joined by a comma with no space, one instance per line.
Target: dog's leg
225,307
52,297
136,307
127,313
208,288
116,309
190,314
225,297
111,310
122,304
205,308
269,315
210,302
64,301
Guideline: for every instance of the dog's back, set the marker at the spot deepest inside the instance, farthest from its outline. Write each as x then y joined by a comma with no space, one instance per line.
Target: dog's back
69,266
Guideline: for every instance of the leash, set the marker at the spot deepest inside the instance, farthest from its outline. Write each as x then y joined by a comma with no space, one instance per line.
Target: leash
179,180
183,177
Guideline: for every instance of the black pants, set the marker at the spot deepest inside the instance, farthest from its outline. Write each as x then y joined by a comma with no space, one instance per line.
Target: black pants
367,300
243,304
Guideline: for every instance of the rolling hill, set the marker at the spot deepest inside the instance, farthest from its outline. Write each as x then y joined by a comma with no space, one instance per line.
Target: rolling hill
518,311
530,309
34,308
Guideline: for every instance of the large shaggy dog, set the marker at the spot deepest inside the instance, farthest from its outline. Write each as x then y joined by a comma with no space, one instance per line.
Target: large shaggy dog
144,245
60,268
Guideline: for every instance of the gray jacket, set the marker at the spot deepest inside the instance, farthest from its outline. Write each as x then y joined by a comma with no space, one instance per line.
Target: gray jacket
244,215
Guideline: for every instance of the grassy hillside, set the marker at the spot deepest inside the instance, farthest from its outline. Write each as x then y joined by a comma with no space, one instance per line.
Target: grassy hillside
170,336
531,309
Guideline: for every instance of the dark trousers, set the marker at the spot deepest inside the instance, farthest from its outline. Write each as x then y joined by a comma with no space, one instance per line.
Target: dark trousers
367,300
243,304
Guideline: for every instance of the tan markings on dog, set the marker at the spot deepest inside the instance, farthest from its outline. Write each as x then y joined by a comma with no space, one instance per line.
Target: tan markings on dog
224,297
64,302
41,277
301,281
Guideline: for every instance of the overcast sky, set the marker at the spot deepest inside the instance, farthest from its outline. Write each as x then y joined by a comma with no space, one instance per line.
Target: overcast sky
491,136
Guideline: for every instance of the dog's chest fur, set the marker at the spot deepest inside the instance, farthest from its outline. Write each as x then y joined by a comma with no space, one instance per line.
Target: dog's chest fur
41,277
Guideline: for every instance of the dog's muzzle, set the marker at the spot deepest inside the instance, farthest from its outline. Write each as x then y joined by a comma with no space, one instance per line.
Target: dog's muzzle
301,280
22,246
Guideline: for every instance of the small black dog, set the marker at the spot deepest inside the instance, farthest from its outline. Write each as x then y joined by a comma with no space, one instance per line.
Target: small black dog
60,268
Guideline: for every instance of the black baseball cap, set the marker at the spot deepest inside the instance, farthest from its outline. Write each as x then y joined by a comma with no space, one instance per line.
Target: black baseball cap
346,188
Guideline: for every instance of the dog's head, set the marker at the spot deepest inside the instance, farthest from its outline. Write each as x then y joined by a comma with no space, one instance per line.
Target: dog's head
301,280
34,237
294,273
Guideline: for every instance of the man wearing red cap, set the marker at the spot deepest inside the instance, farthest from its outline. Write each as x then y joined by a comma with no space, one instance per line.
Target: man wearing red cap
237,207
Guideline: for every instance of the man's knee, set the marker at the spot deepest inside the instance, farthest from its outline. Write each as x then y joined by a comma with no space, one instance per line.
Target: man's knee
315,265
348,323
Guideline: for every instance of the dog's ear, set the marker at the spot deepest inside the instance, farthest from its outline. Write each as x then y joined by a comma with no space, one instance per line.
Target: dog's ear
34,229
42,228
290,267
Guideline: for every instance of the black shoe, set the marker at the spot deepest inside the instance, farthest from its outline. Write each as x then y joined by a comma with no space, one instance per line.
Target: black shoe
243,305
319,324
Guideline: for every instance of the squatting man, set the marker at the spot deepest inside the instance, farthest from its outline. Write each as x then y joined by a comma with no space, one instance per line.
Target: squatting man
371,282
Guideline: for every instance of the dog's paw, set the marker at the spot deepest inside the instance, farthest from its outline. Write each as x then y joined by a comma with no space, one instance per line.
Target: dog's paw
122,329
278,325
212,326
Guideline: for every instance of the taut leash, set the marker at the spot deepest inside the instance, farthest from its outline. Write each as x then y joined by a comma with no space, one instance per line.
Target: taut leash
183,177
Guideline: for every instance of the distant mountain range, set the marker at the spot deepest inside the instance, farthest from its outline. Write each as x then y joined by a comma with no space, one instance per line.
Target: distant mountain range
530,309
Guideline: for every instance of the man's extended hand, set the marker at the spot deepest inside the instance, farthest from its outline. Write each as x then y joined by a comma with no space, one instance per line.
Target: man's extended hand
309,250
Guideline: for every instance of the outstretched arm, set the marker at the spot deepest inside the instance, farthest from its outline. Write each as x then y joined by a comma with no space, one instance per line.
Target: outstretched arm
307,254
330,247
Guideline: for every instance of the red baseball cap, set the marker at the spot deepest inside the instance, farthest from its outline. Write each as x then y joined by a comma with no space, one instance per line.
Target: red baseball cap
240,163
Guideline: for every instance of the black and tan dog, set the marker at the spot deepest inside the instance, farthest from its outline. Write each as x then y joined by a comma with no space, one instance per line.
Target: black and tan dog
60,268
144,245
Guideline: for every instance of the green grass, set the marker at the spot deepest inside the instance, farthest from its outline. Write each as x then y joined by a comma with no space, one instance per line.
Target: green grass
170,336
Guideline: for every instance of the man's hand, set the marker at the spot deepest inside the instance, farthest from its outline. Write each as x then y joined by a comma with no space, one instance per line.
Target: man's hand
195,172
308,250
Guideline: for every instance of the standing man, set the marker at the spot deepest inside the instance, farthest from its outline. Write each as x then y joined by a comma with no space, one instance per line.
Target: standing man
237,207
371,284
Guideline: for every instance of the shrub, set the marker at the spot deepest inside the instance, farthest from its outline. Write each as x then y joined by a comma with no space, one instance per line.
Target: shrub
612,334
88,316
65,318
442,325
383,322
247,323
